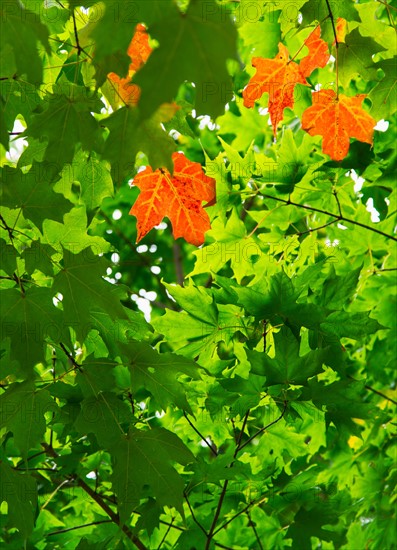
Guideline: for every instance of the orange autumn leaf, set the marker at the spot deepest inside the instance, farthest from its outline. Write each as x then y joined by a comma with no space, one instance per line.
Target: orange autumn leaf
139,51
318,55
338,119
341,29
279,76
178,196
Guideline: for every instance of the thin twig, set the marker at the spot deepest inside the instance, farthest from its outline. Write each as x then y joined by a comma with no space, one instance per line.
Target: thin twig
259,432
252,525
196,521
213,450
165,535
70,357
370,388
243,511
78,527
300,233
225,485
76,36
331,16
336,216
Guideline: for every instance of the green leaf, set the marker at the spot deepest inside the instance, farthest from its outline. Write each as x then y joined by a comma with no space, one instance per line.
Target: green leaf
95,181
39,256
84,290
144,459
337,291
72,234
343,402
22,410
355,57
22,31
20,492
195,301
158,373
113,30
33,194
383,96
318,11
287,367
350,325
128,135
102,414
29,318
186,53
8,257
67,122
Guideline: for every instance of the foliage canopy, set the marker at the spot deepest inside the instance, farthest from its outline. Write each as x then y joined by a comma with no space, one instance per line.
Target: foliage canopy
233,388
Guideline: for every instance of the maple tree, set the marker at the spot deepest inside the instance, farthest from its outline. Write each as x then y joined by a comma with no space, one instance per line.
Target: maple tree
198,274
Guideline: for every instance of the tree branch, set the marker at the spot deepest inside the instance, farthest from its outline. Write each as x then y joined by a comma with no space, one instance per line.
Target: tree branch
196,521
331,16
225,485
259,432
213,450
78,527
178,262
370,388
79,48
336,216
99,500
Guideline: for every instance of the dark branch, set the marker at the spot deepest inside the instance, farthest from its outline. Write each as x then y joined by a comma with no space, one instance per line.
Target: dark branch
259,432
336,216
79,527
196,521
225,484
213,450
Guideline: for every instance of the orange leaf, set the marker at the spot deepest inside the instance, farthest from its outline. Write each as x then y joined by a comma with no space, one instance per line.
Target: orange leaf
178,196
128,92
279,76
139,49
341,29
338,119
318,55
139,52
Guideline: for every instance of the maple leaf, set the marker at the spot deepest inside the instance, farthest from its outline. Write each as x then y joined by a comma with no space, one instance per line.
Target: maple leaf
341,29
279,76
139,51
337,119
318,55
178,196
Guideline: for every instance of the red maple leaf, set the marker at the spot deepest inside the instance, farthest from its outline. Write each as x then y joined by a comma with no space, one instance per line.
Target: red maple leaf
337,119
178,196
279,76
139,51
